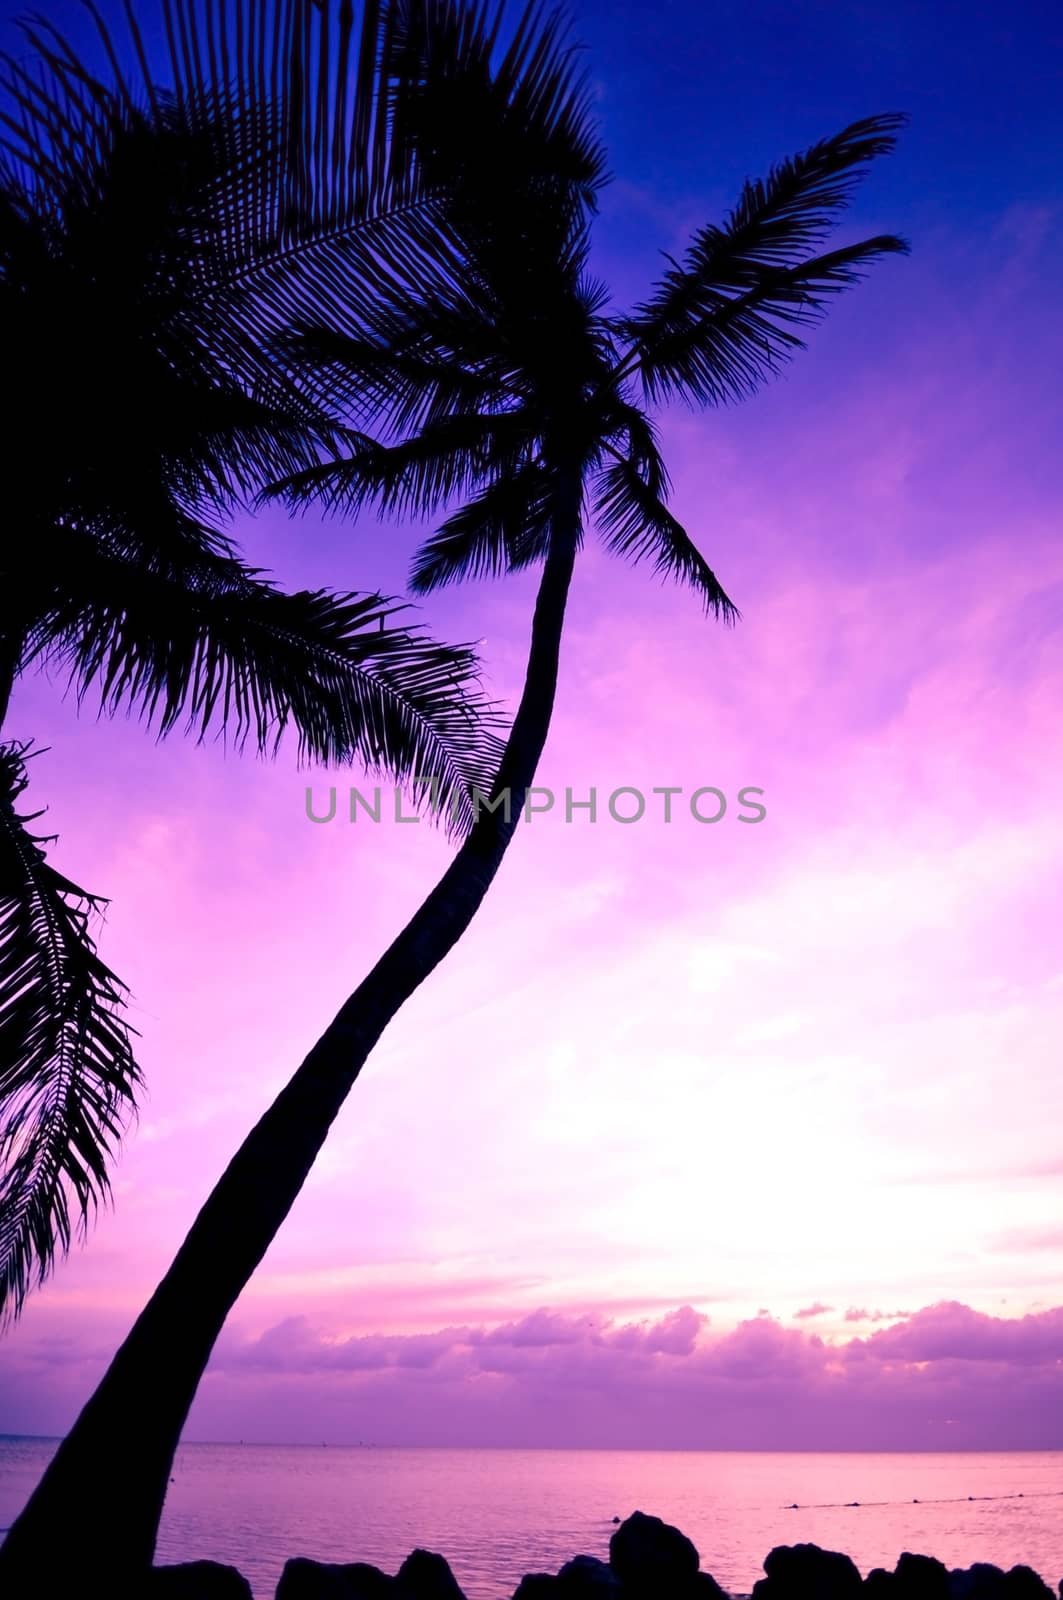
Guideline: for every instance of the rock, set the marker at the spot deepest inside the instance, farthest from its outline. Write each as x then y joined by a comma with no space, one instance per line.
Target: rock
537,1586
1025,1584
880,1585
921,1578
982,1581
586,1576
651,1557
805,1572
198,1580
703,1586
303,1579
427,1576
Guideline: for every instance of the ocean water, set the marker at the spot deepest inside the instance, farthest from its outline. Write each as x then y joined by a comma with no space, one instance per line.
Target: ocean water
496,1514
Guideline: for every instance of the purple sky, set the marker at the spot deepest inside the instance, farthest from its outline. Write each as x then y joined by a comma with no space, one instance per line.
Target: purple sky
707,1135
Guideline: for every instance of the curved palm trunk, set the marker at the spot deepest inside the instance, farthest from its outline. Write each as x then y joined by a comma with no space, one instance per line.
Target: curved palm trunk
9,656
97,1508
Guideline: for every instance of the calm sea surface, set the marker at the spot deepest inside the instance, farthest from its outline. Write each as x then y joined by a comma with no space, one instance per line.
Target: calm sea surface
496,1514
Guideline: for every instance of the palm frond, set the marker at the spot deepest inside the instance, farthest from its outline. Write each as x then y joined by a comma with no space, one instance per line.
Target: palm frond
419,367
508,136
107,268
502,529
724,320
67,1074
419,474
634,434
295,101
635,522
209,643
503,141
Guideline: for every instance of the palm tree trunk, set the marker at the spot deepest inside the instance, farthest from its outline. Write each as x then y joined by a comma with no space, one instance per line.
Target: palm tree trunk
9,656
96,1511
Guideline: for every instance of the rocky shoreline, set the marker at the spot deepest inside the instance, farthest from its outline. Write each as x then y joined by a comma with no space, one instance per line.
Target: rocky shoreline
648,1560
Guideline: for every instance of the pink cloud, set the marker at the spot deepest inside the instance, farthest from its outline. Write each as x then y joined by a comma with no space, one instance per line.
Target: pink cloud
675,1335
539,1329
951,1331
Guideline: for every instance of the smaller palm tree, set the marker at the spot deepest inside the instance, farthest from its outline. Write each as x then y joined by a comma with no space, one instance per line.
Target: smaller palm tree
148,242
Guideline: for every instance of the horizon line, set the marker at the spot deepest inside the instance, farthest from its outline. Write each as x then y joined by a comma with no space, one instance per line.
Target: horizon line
635,1449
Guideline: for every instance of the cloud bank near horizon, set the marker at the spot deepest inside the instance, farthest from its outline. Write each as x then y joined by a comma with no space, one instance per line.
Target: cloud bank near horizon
945,1377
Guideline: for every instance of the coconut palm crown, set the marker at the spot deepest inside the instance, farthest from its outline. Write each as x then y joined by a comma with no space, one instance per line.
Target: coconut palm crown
152,241
491,387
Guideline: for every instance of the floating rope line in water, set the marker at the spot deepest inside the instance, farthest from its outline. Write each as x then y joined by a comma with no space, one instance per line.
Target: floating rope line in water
954,1500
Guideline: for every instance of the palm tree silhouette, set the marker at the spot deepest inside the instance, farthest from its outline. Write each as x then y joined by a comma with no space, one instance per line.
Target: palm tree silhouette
147,247
495,376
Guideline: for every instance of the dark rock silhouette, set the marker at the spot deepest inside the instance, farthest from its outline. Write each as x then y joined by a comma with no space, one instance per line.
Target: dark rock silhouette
588,1578
303,1579
198,1580
921,1577
422,1576
703,1586
427,1576
805,1572
1025,1584
983,1581
913,1578
652,1558
648,1560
